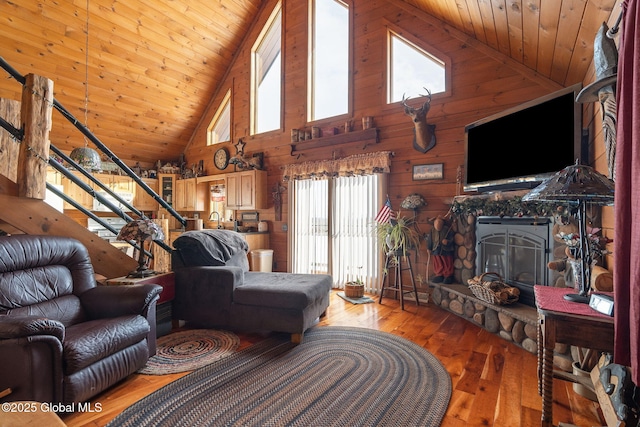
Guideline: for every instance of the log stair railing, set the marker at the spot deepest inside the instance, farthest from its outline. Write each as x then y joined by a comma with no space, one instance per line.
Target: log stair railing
23,200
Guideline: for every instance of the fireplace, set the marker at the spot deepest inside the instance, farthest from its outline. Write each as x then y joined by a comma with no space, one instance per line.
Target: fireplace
518,249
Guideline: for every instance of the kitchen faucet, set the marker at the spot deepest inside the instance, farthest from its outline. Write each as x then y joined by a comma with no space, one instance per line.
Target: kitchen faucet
218,215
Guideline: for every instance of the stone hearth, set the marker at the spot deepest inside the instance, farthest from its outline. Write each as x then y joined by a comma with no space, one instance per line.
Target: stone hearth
517,323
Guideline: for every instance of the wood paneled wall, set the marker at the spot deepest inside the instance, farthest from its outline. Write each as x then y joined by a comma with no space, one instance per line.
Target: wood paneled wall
592,123
482,82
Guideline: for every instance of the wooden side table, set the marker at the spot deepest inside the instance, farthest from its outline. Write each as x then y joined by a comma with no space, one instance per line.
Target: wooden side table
570,323
166,280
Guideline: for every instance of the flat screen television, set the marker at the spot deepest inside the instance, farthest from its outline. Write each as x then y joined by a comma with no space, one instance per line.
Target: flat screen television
520,147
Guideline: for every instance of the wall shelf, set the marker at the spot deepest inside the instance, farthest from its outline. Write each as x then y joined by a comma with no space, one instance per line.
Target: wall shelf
366,136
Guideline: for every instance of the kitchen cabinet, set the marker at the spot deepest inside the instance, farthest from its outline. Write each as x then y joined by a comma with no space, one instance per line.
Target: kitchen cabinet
122,184
115,183
179,200
173,235
142,200
166,186
257,240
189,195
76,193
246,190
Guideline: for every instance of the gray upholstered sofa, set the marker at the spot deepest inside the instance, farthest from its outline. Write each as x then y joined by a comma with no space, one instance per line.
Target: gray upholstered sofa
214,288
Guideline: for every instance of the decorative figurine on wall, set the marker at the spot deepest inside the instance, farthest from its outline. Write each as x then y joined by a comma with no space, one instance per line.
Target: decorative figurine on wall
243,163
240,146
238,159
277,191
424,138
440,245
603,90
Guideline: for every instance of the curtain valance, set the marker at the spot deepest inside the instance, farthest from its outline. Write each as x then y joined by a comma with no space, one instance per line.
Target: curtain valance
359,164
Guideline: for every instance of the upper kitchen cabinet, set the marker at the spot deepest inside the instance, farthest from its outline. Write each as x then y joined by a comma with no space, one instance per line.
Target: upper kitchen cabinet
76,193
142,200
166,187
246,190
116,183
189,195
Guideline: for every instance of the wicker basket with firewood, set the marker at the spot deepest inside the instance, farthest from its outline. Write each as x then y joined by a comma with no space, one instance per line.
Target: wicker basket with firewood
494,291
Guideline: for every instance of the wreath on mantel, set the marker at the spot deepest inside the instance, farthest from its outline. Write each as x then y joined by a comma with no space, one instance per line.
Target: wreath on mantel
508,207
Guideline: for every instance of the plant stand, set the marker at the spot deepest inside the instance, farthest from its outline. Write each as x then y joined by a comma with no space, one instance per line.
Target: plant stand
398,263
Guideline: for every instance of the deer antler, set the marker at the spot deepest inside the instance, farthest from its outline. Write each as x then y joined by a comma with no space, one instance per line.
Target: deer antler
426,104
404,101
428,95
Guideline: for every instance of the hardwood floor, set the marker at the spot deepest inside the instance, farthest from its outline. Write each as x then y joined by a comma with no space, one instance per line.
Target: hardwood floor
494,382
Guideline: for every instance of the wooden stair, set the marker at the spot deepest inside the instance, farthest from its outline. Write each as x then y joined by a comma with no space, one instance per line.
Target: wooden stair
35,216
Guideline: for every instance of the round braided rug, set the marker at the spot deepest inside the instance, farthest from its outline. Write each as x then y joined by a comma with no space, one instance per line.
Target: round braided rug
342,376
189,350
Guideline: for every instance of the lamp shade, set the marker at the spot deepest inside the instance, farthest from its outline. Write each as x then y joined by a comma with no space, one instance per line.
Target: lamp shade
574,184
577,185
86,157
141,230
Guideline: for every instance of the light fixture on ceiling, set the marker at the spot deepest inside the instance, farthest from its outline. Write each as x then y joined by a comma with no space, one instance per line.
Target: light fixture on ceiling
86,156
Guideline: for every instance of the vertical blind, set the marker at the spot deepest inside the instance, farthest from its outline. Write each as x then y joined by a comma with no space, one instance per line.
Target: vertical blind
310,226
333,228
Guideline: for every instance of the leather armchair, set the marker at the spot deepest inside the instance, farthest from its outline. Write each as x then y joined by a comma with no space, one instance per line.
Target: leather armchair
64,339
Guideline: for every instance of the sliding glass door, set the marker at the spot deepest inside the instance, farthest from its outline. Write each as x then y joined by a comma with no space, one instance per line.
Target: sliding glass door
310,226
332,228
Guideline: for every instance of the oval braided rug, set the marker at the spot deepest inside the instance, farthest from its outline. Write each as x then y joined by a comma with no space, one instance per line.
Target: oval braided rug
338,376
189,350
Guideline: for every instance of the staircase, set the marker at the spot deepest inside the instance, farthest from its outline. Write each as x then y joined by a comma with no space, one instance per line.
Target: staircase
24,152
35,216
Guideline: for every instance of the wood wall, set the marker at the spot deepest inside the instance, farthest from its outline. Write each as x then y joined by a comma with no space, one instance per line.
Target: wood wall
482,82
592,122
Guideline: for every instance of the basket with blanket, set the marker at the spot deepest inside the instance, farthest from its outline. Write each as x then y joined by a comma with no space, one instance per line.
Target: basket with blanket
494,291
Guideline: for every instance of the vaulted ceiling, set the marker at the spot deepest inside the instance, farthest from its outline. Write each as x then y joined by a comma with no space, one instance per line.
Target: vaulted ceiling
152,66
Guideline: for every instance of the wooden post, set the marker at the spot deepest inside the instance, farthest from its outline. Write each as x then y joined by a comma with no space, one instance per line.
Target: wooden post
162,258
37,101
9,147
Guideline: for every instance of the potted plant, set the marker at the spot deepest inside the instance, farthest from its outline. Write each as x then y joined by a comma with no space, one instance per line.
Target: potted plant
399,235
354,288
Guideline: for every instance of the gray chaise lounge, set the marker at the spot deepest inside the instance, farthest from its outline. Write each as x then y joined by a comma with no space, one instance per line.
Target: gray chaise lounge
214,288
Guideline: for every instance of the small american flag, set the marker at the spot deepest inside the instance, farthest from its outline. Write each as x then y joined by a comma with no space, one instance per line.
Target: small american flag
386,213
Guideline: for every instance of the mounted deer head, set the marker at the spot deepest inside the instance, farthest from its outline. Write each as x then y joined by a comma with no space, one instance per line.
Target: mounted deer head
424,134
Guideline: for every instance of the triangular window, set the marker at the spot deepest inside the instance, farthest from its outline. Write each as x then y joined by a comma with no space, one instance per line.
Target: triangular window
220,127
412,69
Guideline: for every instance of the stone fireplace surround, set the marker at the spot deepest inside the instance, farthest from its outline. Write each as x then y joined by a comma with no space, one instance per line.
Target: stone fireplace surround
465,223
517,323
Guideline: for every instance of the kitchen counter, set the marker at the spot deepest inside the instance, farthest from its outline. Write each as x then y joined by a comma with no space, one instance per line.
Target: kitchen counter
255,239
177,230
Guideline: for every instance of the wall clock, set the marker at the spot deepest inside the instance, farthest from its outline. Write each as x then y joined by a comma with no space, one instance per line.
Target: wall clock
221,158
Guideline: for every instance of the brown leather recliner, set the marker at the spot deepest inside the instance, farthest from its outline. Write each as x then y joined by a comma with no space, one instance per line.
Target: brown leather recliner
64,339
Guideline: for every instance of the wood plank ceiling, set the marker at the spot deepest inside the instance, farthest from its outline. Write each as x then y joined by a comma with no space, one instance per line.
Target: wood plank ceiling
153,65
